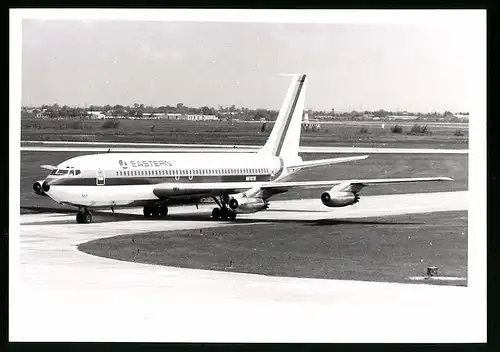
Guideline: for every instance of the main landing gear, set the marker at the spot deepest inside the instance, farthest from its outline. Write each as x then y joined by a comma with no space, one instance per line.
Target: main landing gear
155,210
223,212
83,216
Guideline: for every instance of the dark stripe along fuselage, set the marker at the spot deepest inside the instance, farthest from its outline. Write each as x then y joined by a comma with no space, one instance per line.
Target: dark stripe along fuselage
148,180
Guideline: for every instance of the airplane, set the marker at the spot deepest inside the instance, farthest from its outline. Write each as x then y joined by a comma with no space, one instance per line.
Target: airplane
237,183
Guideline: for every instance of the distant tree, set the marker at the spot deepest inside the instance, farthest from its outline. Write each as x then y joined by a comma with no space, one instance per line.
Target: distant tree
381,113
75,125
397,129
420,129
110,124
205,110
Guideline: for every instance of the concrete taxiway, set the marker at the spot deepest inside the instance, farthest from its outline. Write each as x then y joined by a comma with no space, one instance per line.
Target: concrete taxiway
61,294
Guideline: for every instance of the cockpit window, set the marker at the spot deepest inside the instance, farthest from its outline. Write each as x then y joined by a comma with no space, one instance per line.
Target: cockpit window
77,172
59,172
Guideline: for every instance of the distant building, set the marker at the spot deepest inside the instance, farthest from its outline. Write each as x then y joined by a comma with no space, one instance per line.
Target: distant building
461,116
196,117
171,116
96,114
403,117
153,115
314,126
41,114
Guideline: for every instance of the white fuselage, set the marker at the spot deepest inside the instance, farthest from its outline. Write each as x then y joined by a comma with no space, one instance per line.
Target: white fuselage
130,179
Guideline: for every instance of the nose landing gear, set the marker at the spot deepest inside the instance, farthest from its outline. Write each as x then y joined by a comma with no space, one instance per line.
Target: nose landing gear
83,216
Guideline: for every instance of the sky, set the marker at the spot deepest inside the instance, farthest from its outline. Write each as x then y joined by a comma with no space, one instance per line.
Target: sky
409,67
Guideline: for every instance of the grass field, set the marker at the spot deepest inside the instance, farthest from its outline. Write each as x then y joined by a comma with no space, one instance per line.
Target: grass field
236,133
376,166
377,249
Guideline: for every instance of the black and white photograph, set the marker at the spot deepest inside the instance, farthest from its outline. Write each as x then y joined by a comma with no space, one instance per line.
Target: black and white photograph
241,175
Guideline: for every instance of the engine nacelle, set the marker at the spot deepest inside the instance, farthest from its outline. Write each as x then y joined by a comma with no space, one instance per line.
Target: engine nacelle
40,187
338,199
248,205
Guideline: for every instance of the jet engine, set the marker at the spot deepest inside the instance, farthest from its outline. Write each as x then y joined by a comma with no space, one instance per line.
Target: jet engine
248,205
40,188
339,199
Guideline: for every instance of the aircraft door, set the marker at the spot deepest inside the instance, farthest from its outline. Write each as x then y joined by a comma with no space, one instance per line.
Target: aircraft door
100,177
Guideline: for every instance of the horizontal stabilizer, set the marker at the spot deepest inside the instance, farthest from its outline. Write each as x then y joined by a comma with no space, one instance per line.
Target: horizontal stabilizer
322,162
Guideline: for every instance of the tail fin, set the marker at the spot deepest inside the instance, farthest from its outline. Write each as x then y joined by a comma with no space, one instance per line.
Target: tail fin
285,136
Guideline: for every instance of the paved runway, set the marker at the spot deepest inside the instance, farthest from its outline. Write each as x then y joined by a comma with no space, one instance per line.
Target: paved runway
65,295
205,148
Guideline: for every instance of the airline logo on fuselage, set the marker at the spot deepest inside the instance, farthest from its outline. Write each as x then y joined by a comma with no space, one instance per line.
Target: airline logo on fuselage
123,164
144,163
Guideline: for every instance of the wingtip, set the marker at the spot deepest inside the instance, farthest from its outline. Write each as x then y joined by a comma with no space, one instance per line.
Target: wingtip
447,179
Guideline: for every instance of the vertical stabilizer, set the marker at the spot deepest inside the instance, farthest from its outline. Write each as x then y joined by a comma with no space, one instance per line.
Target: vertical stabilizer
285,136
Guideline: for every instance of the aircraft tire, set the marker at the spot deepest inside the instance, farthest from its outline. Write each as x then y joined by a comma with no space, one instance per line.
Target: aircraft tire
147,212
224,214
163,210
216,213
87,217
79,217
231,215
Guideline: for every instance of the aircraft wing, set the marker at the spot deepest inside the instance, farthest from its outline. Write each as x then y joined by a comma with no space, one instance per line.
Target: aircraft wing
353,185
183,190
